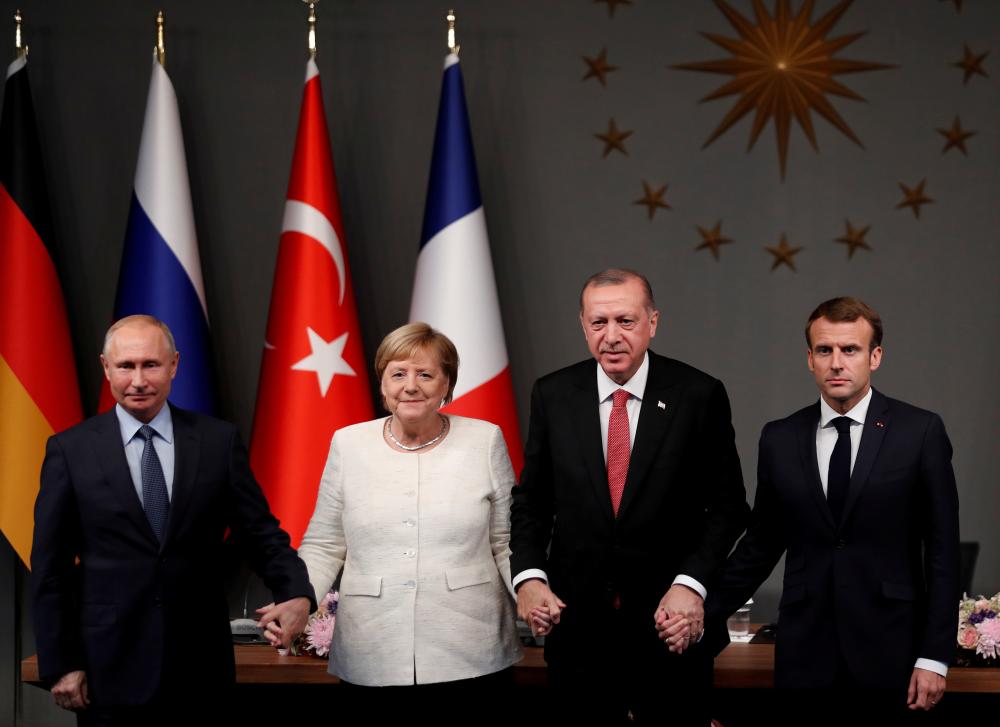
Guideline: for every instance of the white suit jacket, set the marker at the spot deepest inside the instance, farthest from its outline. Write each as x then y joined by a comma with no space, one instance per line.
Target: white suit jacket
423,539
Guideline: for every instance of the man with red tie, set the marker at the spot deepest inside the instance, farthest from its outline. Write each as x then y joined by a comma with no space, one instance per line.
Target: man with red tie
630,499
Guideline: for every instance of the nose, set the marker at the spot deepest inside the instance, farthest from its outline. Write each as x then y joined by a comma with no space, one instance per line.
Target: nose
411,382
837,360
612,333
138,377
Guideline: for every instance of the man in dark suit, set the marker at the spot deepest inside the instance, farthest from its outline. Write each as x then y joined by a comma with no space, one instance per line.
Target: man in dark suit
130,615
858,491
630,499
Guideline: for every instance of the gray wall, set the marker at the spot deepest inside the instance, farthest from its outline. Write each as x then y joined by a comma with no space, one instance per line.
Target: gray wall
556,210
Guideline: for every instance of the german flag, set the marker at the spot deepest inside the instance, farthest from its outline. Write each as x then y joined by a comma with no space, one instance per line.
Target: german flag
39,394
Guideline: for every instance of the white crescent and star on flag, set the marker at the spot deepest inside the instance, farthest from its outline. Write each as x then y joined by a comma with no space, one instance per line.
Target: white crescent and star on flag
326,358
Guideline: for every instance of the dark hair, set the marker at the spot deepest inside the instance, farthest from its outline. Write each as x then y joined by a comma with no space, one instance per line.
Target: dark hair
619,276
847,310
406,341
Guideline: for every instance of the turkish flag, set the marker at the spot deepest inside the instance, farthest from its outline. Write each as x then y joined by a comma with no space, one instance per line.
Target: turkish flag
313,378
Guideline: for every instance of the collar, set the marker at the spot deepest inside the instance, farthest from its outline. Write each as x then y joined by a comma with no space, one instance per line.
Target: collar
857,413
636,386
162,424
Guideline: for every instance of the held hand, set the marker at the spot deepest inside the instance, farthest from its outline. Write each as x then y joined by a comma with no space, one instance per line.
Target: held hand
926,689
674,631
538,606
70,692
683,601
282,623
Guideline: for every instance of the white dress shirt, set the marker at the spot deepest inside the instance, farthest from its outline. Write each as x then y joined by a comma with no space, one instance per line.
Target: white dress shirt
163,443
606,387
826,440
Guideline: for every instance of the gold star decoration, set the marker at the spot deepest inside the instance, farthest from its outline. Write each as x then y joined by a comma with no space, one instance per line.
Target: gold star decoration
971,63
613,5
599,67
956,3
783,68
913,197
854,238
614,139
955,136
784,254
712,239
652,198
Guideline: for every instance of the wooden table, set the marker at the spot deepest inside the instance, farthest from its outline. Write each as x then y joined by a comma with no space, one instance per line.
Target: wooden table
740,666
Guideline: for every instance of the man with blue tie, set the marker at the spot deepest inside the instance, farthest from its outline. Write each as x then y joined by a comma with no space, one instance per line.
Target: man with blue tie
857,490
130,612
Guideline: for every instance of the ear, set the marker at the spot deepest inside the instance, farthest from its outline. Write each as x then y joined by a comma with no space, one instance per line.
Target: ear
173,364
654,318
875,359
809,359
106,365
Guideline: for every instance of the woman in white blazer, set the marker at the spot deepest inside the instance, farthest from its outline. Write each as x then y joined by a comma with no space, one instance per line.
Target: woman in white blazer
415,508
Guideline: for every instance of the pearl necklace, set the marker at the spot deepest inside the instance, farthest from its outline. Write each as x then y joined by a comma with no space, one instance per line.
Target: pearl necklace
415,447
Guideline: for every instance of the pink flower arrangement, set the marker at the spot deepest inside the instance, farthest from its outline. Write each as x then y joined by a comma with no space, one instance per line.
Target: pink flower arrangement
318,636
979,628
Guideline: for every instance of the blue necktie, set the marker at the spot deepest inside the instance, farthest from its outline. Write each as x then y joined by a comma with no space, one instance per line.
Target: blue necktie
155,501
839,476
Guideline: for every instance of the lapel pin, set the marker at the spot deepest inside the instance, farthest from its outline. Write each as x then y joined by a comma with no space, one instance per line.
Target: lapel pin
662,405
880,424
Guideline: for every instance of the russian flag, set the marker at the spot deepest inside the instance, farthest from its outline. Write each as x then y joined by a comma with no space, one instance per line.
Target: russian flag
160,272
455,289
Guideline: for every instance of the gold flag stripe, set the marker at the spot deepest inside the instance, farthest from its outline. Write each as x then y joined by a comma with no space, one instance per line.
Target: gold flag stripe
23,433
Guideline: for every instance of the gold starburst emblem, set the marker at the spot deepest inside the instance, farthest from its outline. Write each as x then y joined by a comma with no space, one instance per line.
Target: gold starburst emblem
783,67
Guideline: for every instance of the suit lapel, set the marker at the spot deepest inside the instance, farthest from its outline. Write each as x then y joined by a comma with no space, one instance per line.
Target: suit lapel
587,421
810,465
876,425
111,455
186,451
654,424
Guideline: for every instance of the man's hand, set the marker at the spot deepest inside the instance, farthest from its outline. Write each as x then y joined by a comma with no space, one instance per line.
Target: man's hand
675,631
70,692
538,606
926,689
684,602
283,622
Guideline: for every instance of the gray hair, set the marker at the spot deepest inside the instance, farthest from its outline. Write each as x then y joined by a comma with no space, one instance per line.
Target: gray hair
139,318
619,276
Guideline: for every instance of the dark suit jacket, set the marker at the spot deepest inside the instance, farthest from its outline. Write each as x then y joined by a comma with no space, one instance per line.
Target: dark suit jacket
136,616
876,591
683,506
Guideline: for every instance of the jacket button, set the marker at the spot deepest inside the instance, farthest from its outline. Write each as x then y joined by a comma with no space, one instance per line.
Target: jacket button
841,544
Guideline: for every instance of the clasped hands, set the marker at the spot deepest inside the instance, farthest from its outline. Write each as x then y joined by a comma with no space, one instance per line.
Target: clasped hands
283,622
678,619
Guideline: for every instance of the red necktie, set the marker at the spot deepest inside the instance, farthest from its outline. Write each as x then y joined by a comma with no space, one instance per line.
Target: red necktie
618,447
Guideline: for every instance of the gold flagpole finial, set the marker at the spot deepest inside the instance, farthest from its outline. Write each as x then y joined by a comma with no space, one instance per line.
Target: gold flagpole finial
20,48
311,41
161,51
452,45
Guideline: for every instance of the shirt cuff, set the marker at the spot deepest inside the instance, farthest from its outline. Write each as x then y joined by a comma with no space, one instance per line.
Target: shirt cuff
691,583
938,667
526,575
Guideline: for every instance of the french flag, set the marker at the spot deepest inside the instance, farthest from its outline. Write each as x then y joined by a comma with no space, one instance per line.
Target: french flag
455,289
160,272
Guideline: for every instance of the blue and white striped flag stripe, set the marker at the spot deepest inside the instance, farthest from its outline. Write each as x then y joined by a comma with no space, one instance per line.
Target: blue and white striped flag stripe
160,270
454,288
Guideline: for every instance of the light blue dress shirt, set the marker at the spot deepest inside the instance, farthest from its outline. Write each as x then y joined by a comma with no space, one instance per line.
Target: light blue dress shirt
163,442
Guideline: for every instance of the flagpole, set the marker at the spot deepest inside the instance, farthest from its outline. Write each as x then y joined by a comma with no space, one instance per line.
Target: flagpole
20,49
453,46
311,38
160,50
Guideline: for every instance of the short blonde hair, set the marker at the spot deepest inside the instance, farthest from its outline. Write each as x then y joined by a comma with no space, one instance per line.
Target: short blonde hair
406,341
